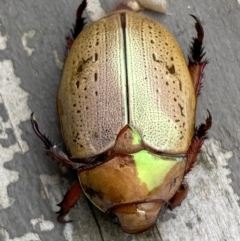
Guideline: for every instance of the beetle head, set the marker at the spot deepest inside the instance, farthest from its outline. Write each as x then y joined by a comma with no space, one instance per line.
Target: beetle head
137,217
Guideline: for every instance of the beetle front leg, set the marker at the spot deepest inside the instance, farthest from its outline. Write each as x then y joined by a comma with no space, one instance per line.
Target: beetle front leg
198,139
196,62
69,201
53,150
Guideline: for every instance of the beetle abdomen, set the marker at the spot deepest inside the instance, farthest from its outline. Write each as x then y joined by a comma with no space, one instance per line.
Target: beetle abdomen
126,69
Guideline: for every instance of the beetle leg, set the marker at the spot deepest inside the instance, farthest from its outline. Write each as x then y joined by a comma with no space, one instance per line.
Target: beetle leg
80,22
198,139
69,201
53,150
179,196
196,62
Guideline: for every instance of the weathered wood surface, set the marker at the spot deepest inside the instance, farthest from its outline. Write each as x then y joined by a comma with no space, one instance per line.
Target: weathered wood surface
32,40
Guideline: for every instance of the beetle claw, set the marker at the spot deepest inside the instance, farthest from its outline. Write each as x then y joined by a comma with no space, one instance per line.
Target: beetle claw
199,28
48,144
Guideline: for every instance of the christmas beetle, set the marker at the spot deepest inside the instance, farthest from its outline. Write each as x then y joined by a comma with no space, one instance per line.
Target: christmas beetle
126,103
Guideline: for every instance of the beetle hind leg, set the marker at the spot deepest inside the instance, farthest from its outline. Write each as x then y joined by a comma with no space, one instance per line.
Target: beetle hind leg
80,22
196,59
198,139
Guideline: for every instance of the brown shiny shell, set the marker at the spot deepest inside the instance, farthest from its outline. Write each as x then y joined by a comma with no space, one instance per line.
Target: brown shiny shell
126,69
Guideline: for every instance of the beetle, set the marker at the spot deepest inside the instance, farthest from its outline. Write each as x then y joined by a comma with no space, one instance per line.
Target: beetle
127,103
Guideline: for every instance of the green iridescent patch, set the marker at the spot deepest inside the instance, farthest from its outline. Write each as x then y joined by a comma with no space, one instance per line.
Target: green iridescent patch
152,168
